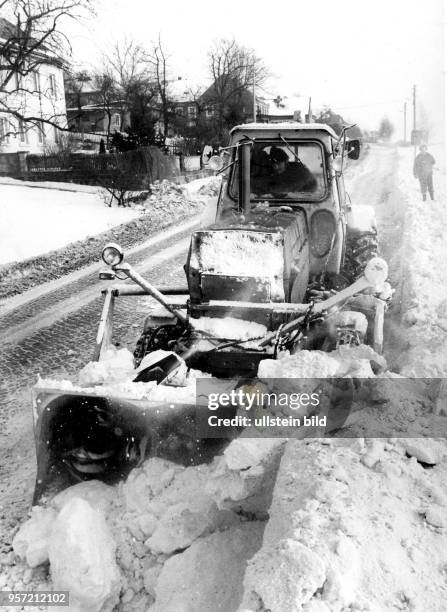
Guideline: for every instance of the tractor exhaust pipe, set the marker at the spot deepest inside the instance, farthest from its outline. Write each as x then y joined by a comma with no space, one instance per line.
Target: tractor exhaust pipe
244,177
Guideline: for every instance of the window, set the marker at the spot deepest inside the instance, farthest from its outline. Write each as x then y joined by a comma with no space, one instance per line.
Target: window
293,172
36,81
209,112
40,132
4,129
192,111
179,110
116,121
52,84
22,132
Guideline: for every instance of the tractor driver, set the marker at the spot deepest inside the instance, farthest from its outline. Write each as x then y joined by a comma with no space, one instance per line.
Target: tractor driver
283,176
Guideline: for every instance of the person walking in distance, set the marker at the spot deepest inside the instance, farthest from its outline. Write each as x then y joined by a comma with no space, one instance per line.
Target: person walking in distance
423,170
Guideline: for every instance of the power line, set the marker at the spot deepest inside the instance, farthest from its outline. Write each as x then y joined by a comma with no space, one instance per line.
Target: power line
368,105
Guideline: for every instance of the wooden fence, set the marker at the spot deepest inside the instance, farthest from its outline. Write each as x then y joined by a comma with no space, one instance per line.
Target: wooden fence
140,167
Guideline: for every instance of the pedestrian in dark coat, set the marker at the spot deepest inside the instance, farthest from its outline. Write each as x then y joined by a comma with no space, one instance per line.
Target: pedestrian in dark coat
423,170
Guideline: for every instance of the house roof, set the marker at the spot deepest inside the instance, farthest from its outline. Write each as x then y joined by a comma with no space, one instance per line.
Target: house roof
7,29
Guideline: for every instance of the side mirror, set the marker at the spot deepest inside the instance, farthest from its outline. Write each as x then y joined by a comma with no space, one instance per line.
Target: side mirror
352,148
216,163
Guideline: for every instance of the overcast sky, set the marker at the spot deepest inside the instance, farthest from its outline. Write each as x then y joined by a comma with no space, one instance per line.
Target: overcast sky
361,58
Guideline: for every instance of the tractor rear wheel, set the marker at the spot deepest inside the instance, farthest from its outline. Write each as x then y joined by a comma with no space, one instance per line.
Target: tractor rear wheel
360,248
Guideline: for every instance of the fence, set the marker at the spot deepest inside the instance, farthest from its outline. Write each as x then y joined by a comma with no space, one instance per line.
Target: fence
12,164
140,167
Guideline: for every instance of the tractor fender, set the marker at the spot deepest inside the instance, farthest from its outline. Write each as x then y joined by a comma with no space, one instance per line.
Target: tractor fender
361,219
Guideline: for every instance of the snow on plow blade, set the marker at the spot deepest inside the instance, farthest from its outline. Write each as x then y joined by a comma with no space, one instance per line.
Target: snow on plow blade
81,436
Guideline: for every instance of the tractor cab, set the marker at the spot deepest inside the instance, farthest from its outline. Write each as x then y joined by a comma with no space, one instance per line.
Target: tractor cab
292,167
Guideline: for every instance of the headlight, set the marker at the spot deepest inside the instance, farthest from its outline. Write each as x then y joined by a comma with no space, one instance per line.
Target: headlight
215,163
322,233
112,254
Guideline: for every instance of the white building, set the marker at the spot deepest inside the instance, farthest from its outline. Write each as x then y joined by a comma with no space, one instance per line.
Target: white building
38,96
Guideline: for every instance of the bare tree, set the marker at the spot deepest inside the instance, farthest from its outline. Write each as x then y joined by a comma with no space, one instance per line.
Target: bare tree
126,64
199,129
159,62
75,83
31,36
386,128
108,95
234,70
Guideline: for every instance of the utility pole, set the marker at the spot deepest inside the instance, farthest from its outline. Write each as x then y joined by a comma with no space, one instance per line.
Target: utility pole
405,122
414,118
414,107
254,99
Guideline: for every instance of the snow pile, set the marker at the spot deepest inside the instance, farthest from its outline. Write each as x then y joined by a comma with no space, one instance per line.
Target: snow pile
207,187
424,291
182,535
361,217
350,361
113,377
241,253
31,543
165,189
115,365
211,188
229,327
81,552
166,195
356,525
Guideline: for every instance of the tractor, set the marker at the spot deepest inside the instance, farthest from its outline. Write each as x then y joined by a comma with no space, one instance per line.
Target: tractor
289,264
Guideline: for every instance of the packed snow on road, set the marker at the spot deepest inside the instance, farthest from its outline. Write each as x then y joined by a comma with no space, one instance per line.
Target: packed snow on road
318,525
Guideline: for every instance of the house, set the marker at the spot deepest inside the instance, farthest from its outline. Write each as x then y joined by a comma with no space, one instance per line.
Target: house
235,101
39,95
189,113
92,109
286,109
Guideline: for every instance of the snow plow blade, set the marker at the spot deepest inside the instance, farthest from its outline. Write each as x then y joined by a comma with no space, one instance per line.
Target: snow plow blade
80,436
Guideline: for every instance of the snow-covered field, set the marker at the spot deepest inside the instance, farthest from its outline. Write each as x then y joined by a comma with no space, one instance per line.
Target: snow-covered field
322,525
36,220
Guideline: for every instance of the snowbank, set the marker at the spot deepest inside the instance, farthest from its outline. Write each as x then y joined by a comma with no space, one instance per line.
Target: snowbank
424,290
166,521
353,525
208,186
